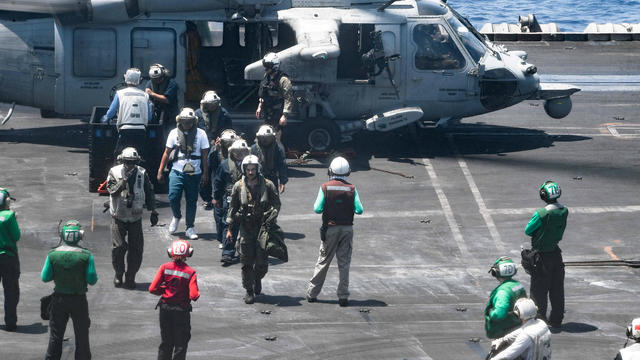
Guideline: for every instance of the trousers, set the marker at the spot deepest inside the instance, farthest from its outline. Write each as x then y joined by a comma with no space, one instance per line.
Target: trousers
338,242
175,333
254,259
190,184
549,281
10,276
132,246
62,307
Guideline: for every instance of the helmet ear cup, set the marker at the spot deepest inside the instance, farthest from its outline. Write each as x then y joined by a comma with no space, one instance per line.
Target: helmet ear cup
169,252
190,252
543,194
629,332
494,271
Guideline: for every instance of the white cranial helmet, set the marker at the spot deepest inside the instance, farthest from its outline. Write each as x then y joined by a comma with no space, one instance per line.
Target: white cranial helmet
340,167
132,76
271,61
228,135
633,330
129,154
265,130
525,308
210,97
251,160
157,71
186,114
239,146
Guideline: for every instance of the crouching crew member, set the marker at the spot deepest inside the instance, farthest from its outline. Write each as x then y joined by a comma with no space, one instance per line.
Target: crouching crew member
499,318
176,282
130,190
337,200
546,228
271,156
254,199
71,268
9,262
532,341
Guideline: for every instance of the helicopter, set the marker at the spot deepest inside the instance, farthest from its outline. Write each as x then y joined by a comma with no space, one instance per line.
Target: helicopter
355,65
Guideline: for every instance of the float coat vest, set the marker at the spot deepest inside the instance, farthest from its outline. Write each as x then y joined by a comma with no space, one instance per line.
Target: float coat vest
509,291
554,221
339,196
540,335
133,112
118,202
269,90
9,233
70,268
629,353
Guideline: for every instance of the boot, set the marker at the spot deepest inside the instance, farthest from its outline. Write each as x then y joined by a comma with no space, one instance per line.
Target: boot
117,280
257,287
248,298
129,283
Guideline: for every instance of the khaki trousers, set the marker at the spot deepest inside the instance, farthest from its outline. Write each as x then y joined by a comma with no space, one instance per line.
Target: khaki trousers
338,242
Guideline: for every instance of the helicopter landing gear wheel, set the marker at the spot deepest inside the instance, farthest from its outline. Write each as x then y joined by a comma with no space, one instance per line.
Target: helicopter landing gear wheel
321,136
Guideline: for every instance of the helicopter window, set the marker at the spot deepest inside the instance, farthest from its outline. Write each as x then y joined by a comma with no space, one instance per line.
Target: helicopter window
153,46
474,46
435,49
94,53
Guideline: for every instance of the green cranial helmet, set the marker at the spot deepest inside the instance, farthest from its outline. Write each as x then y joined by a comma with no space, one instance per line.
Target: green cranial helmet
550,190
503,267
71,232
5,198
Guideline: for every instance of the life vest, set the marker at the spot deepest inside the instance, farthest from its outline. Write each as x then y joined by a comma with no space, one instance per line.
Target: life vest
235,173
630,353
133,112
176,277
118,202
339,196
540,335
554,221
270,91
69,268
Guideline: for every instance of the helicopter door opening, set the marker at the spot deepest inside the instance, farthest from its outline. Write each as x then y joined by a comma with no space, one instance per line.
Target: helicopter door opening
436,76
355,40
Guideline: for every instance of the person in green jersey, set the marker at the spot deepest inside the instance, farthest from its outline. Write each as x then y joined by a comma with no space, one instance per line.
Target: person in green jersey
9,262
546,228
71,268
499,319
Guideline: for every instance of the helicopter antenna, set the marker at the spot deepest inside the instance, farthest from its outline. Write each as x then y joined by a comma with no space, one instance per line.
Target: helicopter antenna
386,5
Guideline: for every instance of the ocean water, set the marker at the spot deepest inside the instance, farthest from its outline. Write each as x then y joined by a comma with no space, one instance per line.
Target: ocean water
569,15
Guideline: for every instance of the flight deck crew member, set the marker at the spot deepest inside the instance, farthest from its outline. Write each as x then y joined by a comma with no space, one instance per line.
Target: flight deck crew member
532,341
71,268
163,93
213,119
546,228
275,94
631,352
189,172
254,203
229,172
9,262
176,282
337,200
271,156
130,190
217,157
499,318
134,112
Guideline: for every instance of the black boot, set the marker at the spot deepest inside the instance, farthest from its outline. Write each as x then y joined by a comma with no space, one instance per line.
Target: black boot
129,283
117,281
248,298
257,288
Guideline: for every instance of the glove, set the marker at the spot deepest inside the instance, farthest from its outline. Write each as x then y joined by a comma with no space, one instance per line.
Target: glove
154,218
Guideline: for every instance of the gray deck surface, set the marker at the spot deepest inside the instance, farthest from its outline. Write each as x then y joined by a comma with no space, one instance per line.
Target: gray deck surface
421,250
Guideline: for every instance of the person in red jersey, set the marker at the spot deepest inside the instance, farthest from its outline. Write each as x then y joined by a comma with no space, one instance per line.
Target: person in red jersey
176,282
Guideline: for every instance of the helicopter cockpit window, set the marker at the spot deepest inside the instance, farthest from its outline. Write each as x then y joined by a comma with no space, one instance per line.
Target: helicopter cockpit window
474,46
435,48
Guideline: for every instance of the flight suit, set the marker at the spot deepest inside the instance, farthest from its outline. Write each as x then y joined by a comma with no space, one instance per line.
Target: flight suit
276,94
247,211
169,88
546,229
273,161
9,266
229,172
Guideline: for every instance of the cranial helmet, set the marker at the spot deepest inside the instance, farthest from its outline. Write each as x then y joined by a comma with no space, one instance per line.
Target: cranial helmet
265,130
129,154
180,249
186,114
633,330
239,147
71,232
157,71
503,267
251,160
228,135
550,190
132,76
210,97
271,61
5,199
525,308
339,167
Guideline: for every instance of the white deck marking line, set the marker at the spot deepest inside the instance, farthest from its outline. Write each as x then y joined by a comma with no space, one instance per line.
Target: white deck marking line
572,209
482,208
448,213
365,215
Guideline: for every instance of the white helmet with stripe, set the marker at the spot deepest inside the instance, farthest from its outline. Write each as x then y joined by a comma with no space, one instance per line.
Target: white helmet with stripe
339,167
